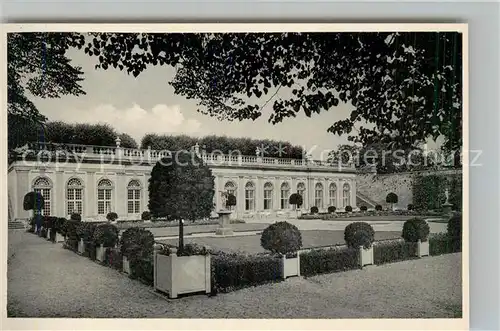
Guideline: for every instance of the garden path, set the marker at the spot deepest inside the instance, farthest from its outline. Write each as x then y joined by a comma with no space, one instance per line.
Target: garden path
45,280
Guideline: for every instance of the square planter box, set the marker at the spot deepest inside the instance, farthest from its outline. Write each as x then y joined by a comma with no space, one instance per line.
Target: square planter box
423,248
60,238
126,265
365,256
290,266
100,253
181,274
81,246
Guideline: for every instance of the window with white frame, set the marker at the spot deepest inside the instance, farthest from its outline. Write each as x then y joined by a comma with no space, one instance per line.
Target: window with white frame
268,196
43,186
134,197
346,195
74,196
318,195
285,194
333,194
230,188
249,196
301,189
104,193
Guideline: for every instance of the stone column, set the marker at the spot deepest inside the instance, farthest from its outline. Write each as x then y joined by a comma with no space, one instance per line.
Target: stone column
240,196
338,193
259,194
277,195
353,193
326,194
60,202
90,195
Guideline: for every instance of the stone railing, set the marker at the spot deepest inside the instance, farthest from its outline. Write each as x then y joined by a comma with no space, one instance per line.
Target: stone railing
141,156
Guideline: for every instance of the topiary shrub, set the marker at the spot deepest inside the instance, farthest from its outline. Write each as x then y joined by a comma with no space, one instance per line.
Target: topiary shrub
332,209
359,234
314,210
415,229
76,217
85,230
363,208
348,209
112,216
378,208
391,198
146,215
295,200
136,243
106,235
282,238
230,201
454,226
410,207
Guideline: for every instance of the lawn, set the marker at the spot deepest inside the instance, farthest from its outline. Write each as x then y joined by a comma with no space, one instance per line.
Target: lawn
251,244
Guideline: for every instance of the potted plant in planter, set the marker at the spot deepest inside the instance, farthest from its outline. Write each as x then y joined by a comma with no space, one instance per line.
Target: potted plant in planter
391,198
360,235
112,217
135,244
363,208
104,236
416,230
186,271
314,210
284,239
146,216
85,234
296,201
348,209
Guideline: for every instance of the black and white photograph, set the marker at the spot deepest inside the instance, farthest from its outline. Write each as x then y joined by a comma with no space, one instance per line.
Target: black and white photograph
236,171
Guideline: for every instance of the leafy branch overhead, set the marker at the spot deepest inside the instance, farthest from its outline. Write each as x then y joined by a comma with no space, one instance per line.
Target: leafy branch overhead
405,87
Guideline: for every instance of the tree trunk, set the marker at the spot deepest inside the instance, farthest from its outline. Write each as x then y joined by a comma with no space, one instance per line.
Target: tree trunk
181,236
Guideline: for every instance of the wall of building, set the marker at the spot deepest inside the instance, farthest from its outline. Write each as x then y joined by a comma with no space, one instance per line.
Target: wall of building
23,175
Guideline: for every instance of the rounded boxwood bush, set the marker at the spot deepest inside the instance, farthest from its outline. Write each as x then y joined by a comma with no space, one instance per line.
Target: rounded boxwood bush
314,210
296,200
106,235
112,216
363,208
378,207
230,201
415,229
410,207
332,209
76,217
348,209
282,238
136,243
146,215
359,234
455,226
85,230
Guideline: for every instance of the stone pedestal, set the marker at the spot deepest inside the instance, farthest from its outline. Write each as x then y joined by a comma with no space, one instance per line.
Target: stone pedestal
447,209
224,223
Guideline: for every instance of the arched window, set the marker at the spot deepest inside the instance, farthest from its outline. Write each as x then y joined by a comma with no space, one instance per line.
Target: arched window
285,193
74,196
346,195
301,189
230,188
249,196
268,196
43,186
318,195
134,197
333,194
104,189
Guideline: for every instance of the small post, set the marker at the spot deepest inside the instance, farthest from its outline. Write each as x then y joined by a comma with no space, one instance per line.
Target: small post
283,261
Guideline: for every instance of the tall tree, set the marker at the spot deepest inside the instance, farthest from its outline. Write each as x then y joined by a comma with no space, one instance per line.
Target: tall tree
405,87
181,188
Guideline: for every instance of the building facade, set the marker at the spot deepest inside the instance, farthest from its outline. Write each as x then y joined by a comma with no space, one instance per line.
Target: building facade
95,180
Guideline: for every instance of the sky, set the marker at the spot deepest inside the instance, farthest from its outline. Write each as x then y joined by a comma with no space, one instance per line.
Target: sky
147,104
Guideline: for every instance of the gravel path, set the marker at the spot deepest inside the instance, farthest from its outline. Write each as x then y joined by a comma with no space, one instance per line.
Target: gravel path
45,280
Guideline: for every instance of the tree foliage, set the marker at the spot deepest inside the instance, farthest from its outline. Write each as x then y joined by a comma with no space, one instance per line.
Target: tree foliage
223,144
405,87
182,188
296,200
33,201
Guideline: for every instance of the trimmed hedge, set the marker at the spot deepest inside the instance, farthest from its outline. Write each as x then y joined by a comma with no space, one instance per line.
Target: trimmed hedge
235,271
444,244
330,260
393,251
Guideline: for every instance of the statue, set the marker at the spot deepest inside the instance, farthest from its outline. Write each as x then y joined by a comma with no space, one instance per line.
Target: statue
223,195
447,195
257,151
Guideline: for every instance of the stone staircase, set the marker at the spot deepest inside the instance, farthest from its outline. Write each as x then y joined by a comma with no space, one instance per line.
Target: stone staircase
16,225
